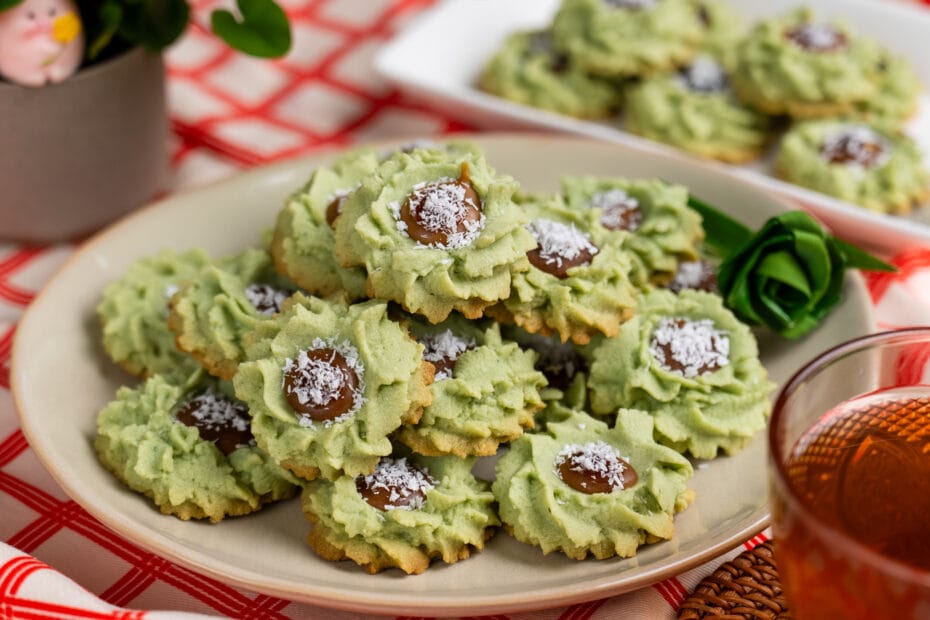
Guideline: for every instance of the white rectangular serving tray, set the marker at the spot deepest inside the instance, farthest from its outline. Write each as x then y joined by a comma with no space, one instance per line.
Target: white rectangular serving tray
440,55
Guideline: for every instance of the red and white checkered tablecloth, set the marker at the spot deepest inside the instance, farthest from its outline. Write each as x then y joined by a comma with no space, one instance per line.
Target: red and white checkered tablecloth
231,112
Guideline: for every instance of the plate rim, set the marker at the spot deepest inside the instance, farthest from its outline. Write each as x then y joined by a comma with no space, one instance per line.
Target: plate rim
339,598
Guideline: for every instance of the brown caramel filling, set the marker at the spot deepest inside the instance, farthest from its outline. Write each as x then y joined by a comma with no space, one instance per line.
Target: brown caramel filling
619,210
445,214
594,467
334,208
559,361
817,38
689,348
218,419
697,275
858,145
395,484
265,298
323,383
560,247
443,350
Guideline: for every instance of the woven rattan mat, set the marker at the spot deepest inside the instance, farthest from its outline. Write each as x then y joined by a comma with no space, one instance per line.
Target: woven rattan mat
745,587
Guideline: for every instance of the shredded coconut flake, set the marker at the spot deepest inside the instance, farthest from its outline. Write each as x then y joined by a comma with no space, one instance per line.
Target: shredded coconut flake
597,457
856,145
559,242
444,346
690,275
340,194
704,75
327,380
401,481
214,410
169,292
693,345
265,298
615,205
443,207
817,37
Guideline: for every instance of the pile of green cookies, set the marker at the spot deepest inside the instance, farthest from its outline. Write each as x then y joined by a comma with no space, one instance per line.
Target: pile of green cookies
691,74
413,311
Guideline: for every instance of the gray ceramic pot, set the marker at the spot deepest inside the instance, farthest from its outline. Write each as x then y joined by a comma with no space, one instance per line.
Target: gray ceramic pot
76,155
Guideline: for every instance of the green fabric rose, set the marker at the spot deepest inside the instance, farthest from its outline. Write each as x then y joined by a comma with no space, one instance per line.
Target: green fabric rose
788,275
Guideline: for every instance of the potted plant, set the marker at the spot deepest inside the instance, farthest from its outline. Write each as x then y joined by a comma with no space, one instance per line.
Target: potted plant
77,151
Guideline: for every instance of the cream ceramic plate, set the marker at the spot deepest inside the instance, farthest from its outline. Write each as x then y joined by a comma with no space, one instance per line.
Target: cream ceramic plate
61,379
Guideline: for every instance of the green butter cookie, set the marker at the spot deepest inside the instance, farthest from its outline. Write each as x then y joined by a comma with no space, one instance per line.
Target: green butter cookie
694,109
528,70
218,306
485,390
689,362
437,231
878,169
578,284
134,313
662,229
585,489
410,510
327,383
805,68
626,38
184,441
303,243
723,26
896,97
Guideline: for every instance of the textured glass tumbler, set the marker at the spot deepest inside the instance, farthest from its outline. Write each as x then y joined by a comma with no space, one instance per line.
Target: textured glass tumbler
849,470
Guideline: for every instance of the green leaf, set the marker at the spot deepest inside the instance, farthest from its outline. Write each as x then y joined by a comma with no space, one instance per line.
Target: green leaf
784,269
154,24
105,26
799,220
814,253
787,276
8,4
860,259
723,233
263,30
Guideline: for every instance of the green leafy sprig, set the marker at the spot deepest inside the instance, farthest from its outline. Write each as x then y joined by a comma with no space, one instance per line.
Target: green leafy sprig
788,275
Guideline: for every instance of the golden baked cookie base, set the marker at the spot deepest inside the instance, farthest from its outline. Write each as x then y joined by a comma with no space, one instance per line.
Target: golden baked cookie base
473,308
534,323
221,367
189,510
708,150
792,108
410,560
901,207
428,444
322,287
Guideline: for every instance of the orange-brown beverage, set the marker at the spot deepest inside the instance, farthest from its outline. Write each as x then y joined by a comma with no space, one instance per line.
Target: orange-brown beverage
863,470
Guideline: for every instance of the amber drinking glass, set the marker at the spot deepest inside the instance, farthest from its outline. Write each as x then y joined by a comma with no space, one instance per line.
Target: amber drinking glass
849,464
